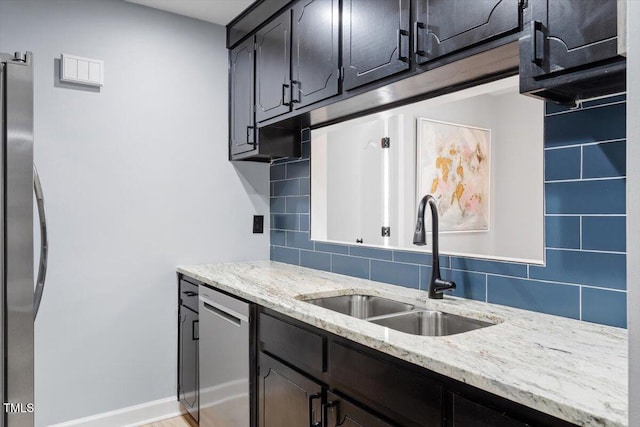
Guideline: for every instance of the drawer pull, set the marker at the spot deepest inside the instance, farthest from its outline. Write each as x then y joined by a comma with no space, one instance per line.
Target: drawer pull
313,423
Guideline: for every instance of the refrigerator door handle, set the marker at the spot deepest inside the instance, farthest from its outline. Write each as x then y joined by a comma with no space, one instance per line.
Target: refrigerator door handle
44,243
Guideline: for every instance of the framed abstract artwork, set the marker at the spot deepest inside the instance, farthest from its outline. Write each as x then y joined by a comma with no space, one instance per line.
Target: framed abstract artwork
454,165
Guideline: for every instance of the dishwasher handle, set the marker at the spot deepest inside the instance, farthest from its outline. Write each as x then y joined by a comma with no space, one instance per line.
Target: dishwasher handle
224,313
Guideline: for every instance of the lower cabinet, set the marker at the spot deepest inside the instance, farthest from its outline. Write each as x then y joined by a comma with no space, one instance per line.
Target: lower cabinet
285,397
339,412
308,377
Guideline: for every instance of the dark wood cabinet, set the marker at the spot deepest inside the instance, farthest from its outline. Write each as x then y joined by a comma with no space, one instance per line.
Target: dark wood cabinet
273,68
362,387
188,347
385,386
375,40
571,33
442,27
570,50
315,51
242,131
471,414
339,412
285,397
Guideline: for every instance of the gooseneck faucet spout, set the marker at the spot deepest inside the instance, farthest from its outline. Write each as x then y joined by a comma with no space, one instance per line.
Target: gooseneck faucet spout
436,285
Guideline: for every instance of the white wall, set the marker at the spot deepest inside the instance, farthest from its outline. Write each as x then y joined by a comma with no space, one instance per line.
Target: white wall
136,180
633,207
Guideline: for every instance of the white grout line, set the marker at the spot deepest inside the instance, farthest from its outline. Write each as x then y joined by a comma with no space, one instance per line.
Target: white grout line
580,222
584,144
581,162
580,302
589,215
582,108
590,251
486,288
551,282
608,178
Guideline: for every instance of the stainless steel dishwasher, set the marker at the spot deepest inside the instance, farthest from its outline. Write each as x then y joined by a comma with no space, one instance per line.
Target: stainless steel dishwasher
224,360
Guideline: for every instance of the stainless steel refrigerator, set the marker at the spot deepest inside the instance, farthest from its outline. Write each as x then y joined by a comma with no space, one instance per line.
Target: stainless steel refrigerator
17,184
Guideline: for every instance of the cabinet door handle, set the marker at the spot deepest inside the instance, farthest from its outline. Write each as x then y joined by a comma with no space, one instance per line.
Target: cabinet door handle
190,293
195,330
417,26
284,89
325,415
537,42
313,423
401,34
295,83
250,129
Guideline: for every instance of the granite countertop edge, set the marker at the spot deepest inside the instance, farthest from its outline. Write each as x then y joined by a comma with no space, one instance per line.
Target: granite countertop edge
549,363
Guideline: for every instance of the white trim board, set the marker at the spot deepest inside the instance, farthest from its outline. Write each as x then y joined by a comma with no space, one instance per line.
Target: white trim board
132,416
633,207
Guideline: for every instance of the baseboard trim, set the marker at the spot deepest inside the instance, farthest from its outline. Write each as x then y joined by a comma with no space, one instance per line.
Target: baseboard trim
132,416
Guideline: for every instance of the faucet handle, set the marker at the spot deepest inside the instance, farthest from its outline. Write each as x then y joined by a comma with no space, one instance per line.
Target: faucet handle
440,285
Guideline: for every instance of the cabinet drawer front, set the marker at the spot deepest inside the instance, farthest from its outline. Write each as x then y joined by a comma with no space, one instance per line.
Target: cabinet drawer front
189,295
470,414
400,394
297,346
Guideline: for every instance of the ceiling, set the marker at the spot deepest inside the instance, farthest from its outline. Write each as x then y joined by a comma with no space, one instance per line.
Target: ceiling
217,11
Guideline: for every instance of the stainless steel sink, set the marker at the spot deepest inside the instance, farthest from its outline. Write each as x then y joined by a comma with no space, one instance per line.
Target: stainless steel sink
362,306
430,323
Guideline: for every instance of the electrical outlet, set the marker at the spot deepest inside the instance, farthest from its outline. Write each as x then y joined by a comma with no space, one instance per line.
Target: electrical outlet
258,224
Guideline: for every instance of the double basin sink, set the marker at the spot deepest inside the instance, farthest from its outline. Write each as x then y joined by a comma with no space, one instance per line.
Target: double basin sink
400,316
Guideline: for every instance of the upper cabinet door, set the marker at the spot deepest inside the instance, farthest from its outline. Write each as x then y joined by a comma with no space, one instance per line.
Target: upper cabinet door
445,26
273,61
241,99
571,33
315,51
375,40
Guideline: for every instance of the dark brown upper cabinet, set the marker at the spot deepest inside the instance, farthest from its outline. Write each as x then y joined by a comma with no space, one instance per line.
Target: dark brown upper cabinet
442,27
375,40
315,51
273,69
569,51
242,138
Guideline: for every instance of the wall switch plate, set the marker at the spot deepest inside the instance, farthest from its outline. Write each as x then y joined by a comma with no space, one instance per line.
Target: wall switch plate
80,70
258,224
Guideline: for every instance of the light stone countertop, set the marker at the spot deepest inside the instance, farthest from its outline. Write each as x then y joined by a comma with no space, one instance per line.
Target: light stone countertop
572,370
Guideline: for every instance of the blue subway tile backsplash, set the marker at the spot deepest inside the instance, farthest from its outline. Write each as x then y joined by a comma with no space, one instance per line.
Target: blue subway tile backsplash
563,163
317,260
606,270
604,233
603,123
366,252
584,276
496,267
602,306
550,298
396,273
351,266
586,197
605,160
562,232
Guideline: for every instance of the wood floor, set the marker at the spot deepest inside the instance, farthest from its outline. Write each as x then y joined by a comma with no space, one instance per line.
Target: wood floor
183,421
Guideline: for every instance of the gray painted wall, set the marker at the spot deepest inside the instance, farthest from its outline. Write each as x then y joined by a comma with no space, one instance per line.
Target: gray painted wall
633,207
136,181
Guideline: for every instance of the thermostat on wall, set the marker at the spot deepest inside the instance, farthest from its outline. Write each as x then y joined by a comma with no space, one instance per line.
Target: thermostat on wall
79,70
